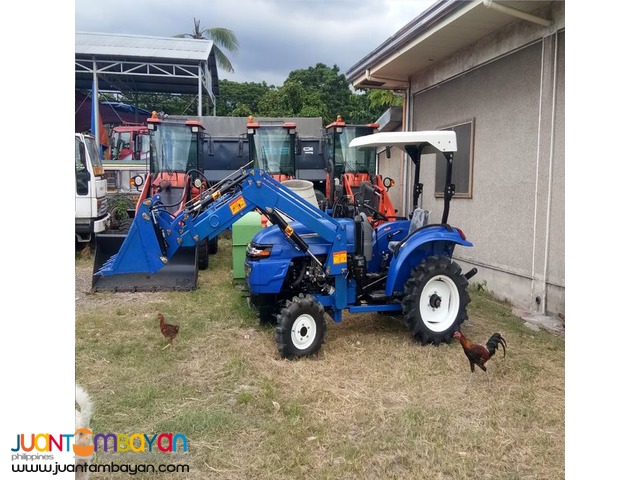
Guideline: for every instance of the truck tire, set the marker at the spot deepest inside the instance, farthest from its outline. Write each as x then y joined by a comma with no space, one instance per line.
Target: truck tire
435,301
301,327
202,251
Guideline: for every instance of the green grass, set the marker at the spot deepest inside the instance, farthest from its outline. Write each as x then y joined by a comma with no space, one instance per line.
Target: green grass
372,404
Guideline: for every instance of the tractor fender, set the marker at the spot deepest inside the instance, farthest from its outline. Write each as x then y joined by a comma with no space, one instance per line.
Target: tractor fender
420,245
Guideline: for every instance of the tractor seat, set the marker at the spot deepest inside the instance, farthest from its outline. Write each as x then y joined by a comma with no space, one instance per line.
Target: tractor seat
419,219
369,196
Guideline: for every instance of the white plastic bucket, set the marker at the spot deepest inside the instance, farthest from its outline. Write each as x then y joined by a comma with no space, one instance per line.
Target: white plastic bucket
304,188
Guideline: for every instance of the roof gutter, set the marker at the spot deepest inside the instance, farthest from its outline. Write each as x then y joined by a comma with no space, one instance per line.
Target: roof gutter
403,83
427,19
514,12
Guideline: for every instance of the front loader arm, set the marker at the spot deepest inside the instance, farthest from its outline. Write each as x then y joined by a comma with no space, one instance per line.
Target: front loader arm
155,235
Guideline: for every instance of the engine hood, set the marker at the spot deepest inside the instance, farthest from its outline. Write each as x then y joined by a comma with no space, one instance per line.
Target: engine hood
272,235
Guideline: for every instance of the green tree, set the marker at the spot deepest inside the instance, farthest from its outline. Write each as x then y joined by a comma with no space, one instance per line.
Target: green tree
358,110
235,94
314,107
367,107
383,98
241,110
221,37
275,103
323,86
317,91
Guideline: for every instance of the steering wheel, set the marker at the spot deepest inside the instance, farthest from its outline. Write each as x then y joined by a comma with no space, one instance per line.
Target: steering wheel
377,215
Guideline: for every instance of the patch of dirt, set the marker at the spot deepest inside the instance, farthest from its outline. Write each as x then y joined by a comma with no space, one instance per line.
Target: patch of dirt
83,282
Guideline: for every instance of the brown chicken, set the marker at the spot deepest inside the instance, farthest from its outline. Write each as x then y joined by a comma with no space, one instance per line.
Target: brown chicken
480,354
169,331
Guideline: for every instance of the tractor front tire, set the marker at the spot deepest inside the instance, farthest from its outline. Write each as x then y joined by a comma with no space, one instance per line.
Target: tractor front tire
301,327
435,301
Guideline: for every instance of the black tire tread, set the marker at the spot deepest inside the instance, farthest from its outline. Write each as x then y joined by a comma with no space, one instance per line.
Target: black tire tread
213,246
202,251
438,265
287,316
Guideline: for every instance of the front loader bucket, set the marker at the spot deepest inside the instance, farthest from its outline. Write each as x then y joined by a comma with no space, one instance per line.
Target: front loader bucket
180,272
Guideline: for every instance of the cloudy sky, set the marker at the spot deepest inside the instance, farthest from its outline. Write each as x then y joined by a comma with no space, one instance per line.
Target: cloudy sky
274,36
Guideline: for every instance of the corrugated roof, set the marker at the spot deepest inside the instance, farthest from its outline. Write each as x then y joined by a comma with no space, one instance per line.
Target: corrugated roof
138,63
136,46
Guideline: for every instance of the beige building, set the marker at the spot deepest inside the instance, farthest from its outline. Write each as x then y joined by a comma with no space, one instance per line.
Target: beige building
494,73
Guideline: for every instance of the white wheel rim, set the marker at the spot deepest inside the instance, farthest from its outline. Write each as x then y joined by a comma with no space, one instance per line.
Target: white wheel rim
303,331
439,303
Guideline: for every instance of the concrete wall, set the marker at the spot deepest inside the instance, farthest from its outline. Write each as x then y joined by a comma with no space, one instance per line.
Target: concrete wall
512,85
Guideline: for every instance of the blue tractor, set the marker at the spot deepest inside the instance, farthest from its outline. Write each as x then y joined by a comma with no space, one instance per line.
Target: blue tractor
317,264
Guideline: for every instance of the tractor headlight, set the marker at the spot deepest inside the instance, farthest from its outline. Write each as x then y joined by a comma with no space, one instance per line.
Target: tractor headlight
257,252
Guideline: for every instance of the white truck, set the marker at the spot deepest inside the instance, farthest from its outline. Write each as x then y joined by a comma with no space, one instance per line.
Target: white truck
92,208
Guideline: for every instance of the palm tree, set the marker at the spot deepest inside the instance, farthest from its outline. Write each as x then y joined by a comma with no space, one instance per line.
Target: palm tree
222,37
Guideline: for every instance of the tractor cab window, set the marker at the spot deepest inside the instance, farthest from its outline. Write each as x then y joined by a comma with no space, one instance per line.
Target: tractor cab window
129,144
174,148
122,148
273,151
145,146
334,152
354,160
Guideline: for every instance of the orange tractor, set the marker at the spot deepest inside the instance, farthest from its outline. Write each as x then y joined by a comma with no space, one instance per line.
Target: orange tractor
353,184
272,148
175,178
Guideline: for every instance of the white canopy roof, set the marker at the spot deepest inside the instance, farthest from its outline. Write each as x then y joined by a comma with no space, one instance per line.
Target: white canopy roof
443,140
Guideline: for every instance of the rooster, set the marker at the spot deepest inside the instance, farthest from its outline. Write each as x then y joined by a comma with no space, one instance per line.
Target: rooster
480,354
169,331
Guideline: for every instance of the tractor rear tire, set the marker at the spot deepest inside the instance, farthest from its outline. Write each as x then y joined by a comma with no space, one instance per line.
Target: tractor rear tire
301,327
435,301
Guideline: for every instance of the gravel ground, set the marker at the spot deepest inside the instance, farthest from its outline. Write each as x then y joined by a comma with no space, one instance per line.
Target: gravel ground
87,300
